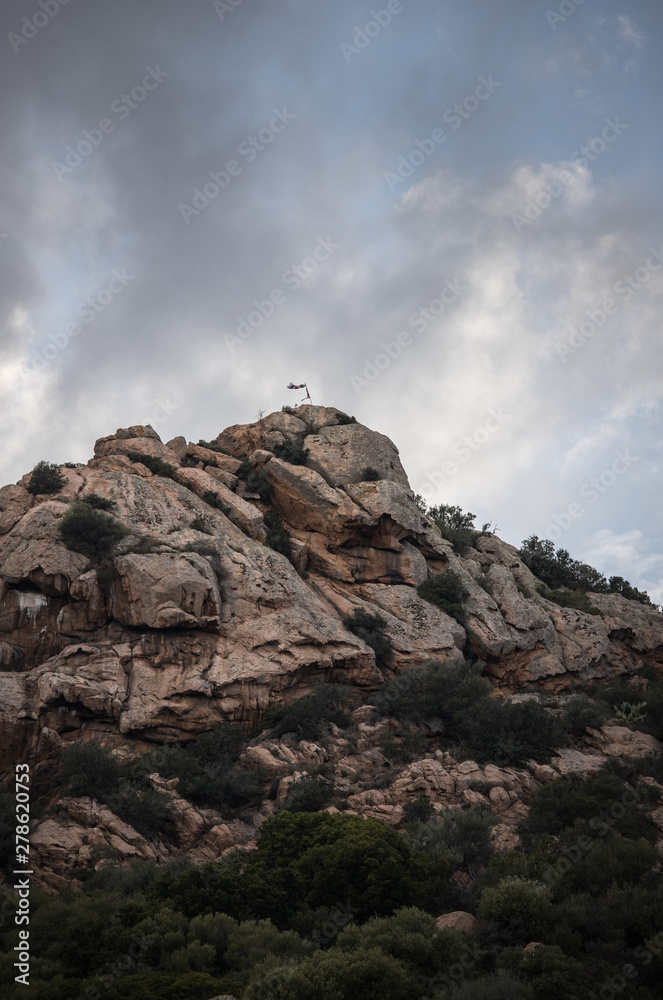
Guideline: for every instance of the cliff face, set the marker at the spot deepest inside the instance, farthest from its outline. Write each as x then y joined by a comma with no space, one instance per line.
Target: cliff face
183,628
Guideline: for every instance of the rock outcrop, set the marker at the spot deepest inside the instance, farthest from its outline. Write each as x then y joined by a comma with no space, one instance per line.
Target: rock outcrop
182,628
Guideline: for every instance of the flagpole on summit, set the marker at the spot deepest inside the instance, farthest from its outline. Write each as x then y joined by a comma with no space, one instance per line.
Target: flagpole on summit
302,385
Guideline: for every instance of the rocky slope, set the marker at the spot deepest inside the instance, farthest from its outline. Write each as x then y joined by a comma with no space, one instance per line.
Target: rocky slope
186,628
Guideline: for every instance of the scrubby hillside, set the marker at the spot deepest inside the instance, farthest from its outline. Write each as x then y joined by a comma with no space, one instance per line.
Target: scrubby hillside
255,677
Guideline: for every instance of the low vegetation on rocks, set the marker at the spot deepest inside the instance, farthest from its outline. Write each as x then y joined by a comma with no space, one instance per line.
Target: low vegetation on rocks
278,536
372,629
447,591
291,451
156,465
90,531
323,847
45,478
255,480
557,569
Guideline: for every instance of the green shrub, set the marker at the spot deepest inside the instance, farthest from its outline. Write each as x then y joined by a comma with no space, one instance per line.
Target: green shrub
207,770
573,599
213,499
255,480
446,590
308,795
289,409
157,466
200,524
581,713
98,502
370,475
408,743
418,810
147,810
214,446
489,730
310,717
517,902
372,629
293,452
462,836
278,536
45,478
343,418
592,806
454,525
557,569
436,690
90,769
89,531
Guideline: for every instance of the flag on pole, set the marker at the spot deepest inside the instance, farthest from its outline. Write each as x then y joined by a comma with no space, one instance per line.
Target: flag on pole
293,386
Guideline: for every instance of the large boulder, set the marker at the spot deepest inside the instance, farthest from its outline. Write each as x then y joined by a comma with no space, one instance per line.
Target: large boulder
177,590
342,454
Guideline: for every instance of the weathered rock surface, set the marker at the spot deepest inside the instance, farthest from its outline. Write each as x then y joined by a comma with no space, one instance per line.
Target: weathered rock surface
181,629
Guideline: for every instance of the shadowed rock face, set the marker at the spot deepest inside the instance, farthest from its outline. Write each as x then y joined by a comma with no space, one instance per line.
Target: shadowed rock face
179,629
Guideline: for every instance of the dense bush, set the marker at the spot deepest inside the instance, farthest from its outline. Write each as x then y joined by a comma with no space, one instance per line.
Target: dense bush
343,418
309,717
255,480
213,499
278,536
89,531
370,475
557,569
157,466
518,903
308,795
98,502
293,452
455,525
488,729
446,590
596,807
462,836
213,446
581,713
575,599
90,769
45,478
208,771
372,629
200,524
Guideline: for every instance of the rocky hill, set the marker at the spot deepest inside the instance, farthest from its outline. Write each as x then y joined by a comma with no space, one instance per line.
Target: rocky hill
193,617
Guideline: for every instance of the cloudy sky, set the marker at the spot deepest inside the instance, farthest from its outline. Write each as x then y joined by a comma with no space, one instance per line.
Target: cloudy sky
443,215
